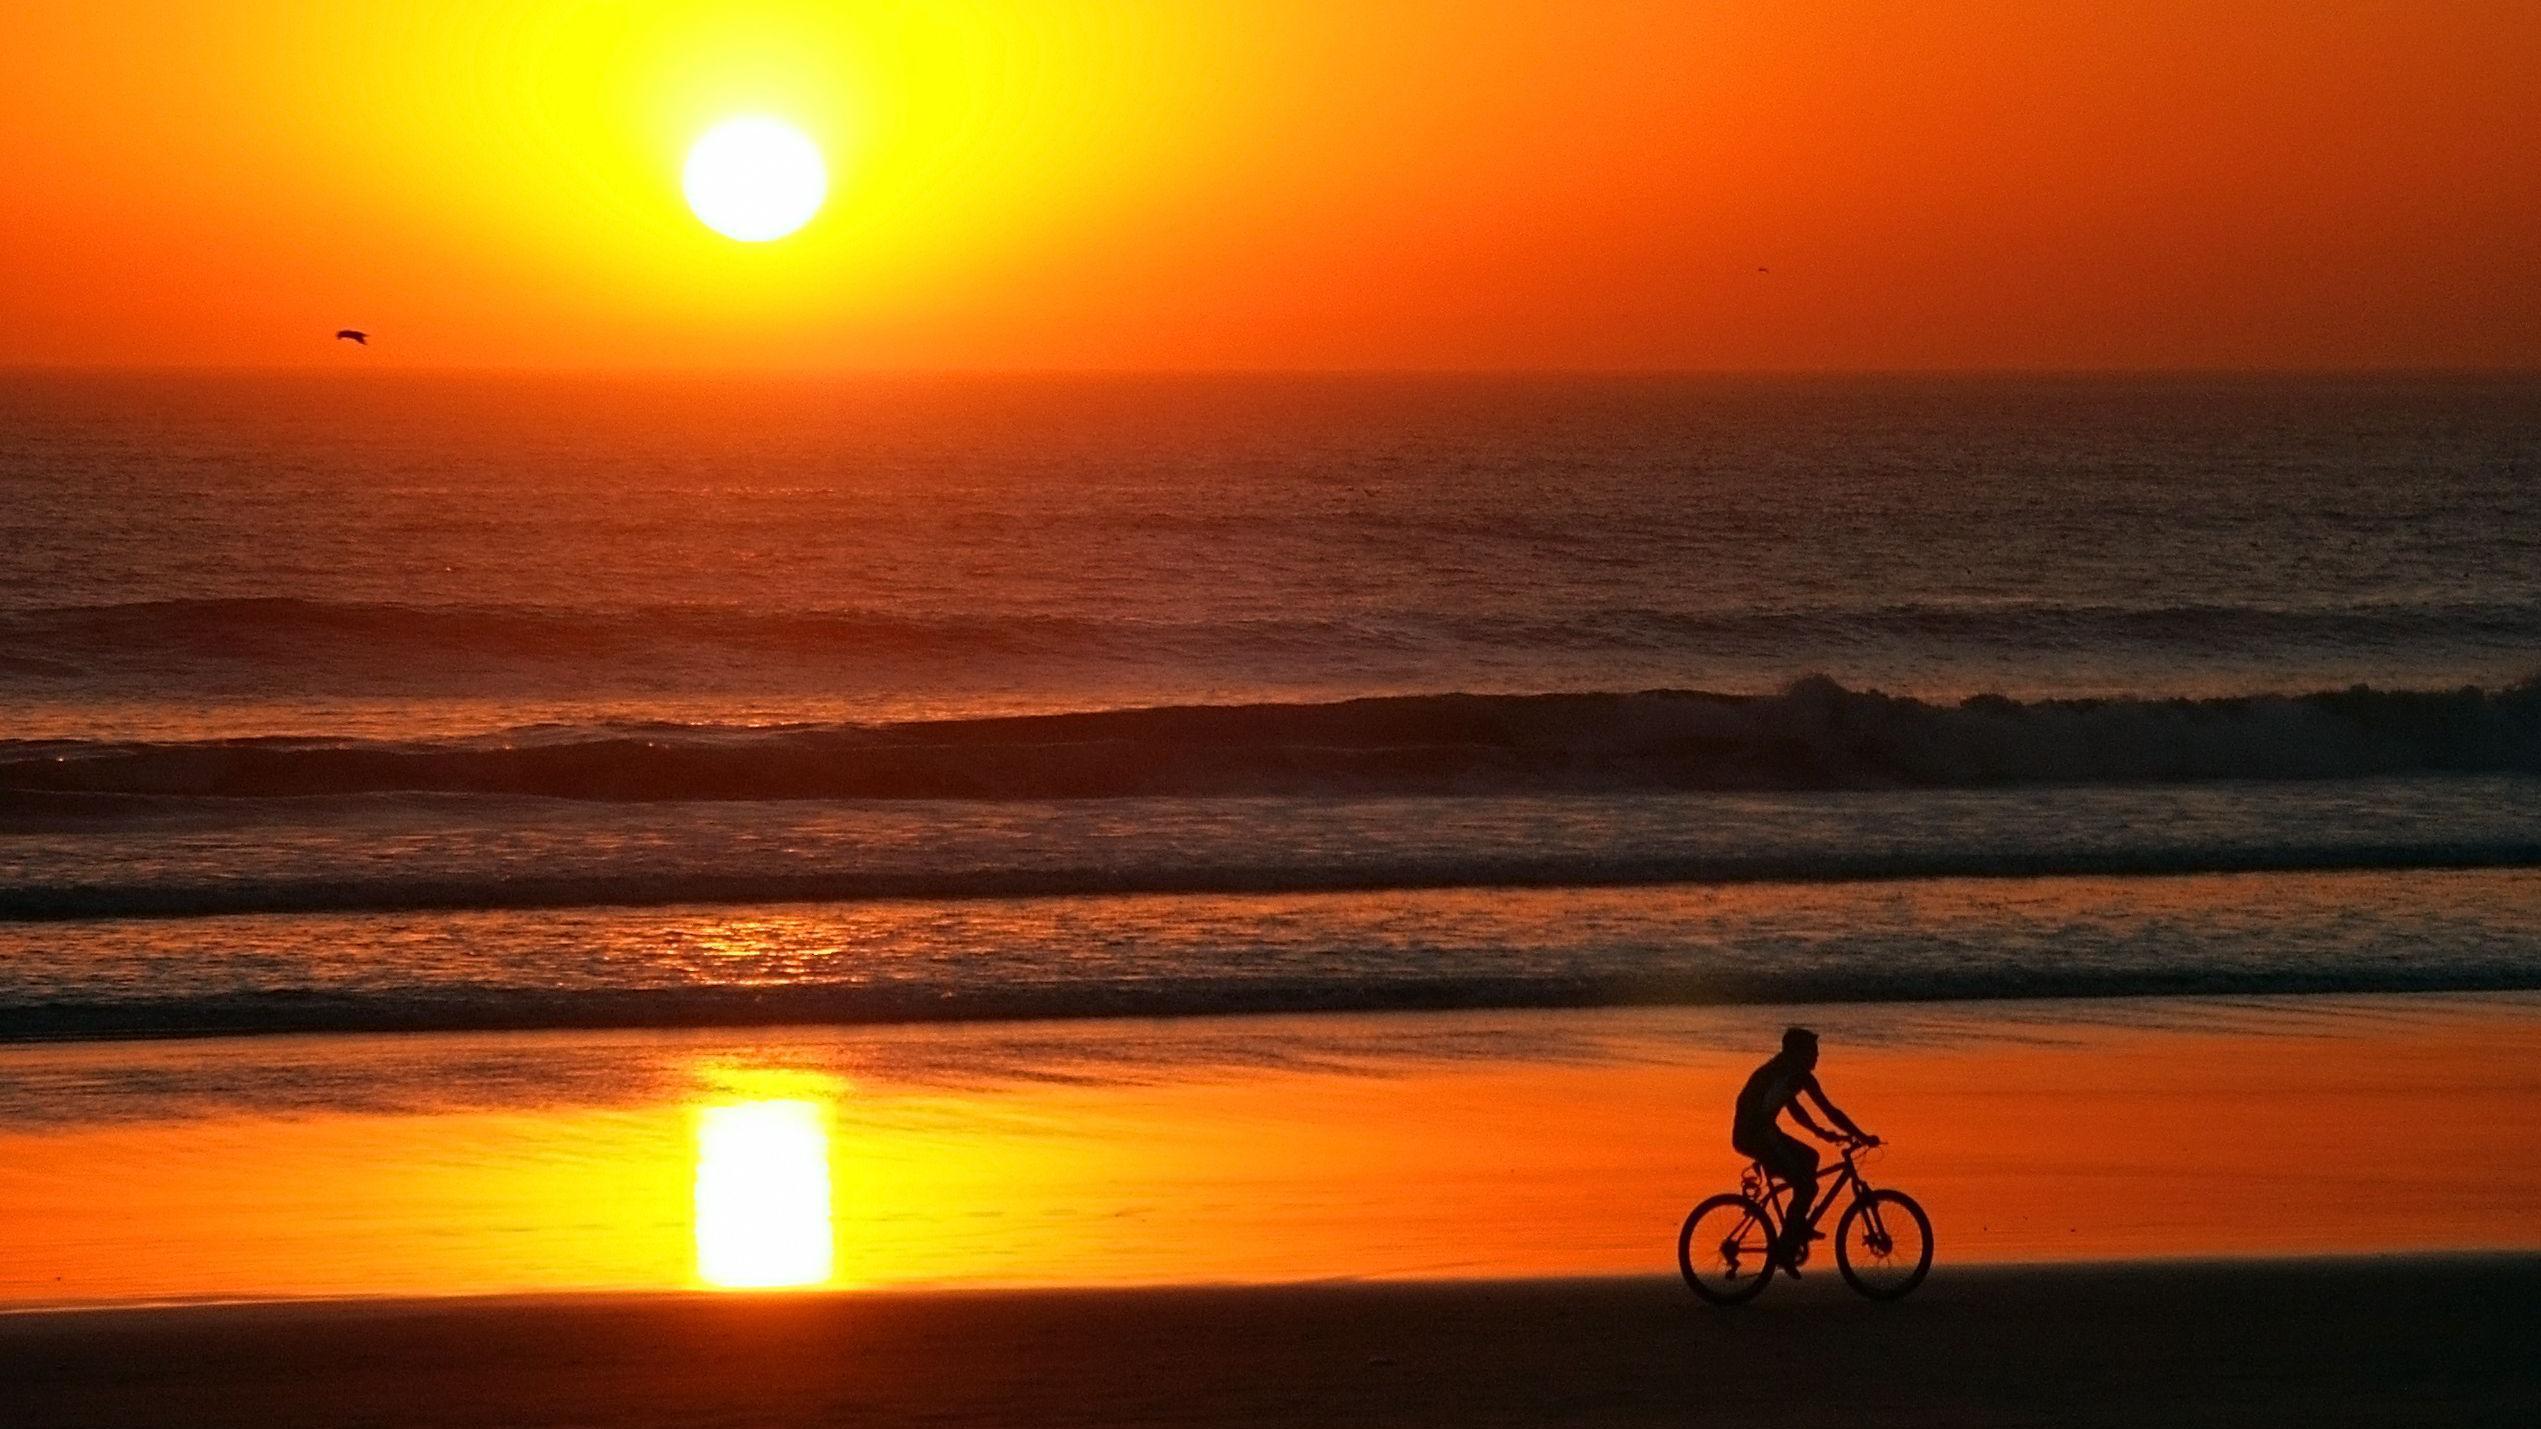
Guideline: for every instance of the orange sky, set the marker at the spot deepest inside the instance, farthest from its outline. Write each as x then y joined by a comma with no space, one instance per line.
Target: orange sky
1231,184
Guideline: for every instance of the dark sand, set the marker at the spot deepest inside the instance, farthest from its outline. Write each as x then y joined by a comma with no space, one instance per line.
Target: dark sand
2441,1340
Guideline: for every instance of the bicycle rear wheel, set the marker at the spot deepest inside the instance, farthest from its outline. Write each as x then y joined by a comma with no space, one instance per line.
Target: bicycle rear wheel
1724,1250
1884,1245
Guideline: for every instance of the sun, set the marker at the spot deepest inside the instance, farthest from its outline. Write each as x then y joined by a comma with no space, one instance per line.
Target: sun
754,179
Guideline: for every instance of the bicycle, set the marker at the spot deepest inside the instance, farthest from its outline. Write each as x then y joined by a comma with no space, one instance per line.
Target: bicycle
1883,1245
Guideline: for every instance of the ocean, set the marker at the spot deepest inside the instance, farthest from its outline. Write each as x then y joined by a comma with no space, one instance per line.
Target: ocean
409,703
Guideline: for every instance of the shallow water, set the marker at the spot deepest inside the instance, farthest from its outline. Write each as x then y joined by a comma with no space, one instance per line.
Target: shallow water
1085,956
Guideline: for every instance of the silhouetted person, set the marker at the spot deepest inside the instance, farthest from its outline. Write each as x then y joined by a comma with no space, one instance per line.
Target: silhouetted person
1774,1088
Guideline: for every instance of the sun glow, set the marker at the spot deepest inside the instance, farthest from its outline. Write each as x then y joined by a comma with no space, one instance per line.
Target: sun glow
763,1197
755,179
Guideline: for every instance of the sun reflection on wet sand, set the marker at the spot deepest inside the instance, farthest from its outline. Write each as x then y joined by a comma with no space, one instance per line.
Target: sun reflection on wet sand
763,1195
1063,1154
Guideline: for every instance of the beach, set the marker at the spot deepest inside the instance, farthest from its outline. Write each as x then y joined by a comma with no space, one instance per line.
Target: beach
2437,1341
2296,1210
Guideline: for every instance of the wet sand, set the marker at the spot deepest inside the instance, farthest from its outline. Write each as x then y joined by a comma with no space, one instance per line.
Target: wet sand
2433,1340
1480,1146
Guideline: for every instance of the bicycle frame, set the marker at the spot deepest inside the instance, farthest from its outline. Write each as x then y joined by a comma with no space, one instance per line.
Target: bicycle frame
1774,1194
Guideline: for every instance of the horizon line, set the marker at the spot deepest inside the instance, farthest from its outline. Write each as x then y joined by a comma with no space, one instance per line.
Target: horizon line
358,368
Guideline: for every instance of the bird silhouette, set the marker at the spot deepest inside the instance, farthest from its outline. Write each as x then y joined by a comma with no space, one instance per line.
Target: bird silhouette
352,335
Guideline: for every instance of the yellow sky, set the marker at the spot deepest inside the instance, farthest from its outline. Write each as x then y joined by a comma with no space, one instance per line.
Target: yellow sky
1232,184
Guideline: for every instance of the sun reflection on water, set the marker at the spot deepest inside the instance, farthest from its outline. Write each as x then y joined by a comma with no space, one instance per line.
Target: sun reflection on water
763,1195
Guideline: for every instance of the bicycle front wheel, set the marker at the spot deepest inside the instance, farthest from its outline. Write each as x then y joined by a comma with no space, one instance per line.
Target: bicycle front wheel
1725,1250
1884,1245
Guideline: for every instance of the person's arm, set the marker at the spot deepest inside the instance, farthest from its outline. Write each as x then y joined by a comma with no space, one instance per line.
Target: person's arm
1834,1113
1801,1115
1800,1112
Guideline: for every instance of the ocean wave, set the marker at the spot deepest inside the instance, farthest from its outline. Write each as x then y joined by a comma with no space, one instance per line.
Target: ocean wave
468,648
529,1008
1816,734
26,902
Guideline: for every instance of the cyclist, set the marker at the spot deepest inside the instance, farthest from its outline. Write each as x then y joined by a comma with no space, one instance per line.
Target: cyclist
1774,1088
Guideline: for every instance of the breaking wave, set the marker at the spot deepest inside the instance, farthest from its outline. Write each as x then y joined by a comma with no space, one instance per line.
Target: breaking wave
1816,734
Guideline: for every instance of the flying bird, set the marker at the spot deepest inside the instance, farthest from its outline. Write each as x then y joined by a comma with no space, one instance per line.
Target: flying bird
351,335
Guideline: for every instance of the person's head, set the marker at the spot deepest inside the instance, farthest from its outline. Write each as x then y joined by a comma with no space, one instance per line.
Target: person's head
1800,1045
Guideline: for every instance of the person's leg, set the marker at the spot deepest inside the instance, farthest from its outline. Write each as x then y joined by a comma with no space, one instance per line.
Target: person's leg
1796,1161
